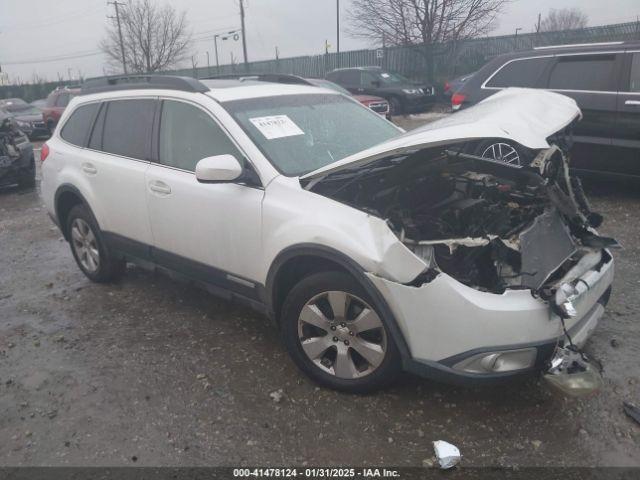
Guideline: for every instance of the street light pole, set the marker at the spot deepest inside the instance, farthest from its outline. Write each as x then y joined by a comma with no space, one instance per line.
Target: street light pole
215,43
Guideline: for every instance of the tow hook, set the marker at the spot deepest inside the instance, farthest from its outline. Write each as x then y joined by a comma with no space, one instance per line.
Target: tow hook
572,373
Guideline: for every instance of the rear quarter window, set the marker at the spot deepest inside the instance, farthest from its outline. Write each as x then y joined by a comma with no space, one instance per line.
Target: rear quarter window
76,128
524,73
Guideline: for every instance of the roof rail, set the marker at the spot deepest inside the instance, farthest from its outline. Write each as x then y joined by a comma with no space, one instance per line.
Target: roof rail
262,77
577,45
137,82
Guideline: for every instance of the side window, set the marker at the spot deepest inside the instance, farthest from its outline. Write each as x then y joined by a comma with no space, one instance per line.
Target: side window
368,79
188,134
127,127
351,77
51,100
62,100
76,128
634,85
519,73
583,72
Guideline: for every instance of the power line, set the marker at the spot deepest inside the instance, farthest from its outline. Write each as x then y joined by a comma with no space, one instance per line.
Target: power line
49,23
71,56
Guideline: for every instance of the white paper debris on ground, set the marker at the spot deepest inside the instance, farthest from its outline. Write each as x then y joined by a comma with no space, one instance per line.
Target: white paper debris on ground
448,455
276,126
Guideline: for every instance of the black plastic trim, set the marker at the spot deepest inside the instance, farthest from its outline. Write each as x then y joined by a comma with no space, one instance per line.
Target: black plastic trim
134,250
142,82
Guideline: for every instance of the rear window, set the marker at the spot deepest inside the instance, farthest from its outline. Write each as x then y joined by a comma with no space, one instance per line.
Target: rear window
520,73
127,127
583,72
76,128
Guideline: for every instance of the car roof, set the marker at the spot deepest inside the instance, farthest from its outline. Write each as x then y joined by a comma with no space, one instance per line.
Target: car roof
229,90
549,50
369,68
220,89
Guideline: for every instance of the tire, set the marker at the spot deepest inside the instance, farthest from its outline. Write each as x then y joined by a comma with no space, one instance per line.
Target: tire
511,153
27,177
395,106
337,363
89,248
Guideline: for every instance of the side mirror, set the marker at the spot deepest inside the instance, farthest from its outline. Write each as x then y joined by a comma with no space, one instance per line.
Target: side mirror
376,83
218,169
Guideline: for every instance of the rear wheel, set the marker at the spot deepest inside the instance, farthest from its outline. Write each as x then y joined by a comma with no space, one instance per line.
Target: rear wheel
336,335
89,249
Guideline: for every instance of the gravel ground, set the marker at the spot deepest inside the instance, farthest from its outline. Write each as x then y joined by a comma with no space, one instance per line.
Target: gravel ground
151,371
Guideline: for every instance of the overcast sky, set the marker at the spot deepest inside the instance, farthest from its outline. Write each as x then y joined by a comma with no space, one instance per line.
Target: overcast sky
33,32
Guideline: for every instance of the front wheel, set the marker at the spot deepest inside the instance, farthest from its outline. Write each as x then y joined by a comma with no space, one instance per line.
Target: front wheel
336,335
501,151
395,106
89,249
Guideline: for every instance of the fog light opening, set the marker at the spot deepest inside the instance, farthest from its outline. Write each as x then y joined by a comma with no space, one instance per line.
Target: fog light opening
498,362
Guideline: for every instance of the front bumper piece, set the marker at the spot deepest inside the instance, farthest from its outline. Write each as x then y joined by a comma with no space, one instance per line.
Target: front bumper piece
460,335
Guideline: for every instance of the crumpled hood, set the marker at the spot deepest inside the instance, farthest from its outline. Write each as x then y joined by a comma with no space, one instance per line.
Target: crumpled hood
525,116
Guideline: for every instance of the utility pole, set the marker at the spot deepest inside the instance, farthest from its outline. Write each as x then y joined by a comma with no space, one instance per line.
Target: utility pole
215,43
117,4
538,24
244,39
338,26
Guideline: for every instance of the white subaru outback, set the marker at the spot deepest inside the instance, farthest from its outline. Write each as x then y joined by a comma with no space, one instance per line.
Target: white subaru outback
461,251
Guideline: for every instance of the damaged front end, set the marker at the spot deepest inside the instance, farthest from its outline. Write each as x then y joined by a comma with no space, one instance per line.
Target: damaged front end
490,225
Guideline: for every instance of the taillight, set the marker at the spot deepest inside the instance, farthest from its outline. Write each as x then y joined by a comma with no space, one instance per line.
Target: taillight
457,99
44,152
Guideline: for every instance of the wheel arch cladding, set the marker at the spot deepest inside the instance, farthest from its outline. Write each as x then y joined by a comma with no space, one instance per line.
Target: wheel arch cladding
67,197
299,261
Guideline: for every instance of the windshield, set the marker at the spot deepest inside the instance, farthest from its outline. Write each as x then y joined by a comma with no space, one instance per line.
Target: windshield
301,133
330,85
392,78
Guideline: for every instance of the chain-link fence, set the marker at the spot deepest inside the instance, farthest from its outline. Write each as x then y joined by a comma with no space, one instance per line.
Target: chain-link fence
433,63
426,62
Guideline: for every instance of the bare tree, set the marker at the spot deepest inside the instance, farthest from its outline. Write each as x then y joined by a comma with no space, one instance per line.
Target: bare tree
154,37
564,19
412,22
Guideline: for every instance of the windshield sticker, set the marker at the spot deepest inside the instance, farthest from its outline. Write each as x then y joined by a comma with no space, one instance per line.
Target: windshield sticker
276,126
385,75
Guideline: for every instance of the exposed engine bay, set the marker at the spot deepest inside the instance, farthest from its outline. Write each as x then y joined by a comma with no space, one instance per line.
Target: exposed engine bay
490,225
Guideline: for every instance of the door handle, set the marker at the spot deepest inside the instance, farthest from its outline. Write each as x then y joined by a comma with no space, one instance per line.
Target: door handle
632,102
89,169
160,187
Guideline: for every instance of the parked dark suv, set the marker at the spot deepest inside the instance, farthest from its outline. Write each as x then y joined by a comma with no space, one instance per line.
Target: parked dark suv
603,78
403,95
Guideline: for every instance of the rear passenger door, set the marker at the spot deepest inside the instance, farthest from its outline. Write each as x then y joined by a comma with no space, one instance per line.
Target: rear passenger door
591,80
627,131
210,231
114,164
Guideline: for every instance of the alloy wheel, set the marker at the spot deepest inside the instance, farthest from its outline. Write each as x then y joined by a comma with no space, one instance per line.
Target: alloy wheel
502,152
342,334
85,245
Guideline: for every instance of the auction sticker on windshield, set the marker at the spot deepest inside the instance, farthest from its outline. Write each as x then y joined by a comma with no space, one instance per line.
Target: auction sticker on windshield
276,126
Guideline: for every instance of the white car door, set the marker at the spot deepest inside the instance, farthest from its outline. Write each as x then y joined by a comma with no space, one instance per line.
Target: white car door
114,164
209,231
